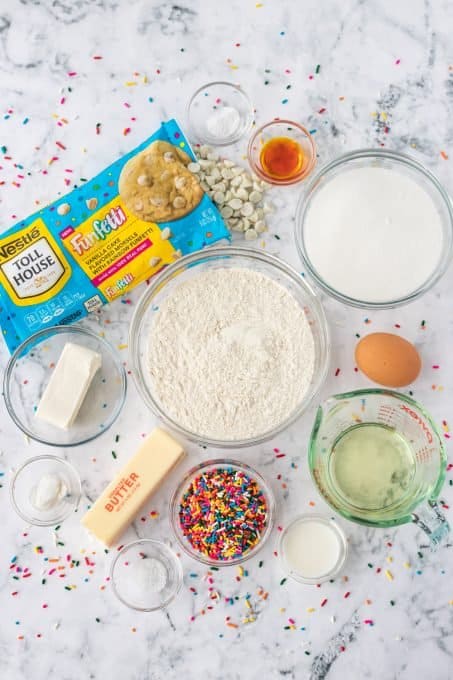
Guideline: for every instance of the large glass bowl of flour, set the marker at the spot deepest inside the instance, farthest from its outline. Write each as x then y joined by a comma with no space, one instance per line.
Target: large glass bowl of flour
229,346
374,229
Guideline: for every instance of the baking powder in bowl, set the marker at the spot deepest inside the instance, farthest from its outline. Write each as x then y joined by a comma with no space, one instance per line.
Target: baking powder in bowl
231,354
373,234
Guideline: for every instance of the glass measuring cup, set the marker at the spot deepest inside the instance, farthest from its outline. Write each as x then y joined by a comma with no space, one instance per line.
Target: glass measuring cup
418,501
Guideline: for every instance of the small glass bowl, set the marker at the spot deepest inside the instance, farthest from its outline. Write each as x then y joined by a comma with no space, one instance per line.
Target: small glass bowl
183,486
210,259
29,370
386,159
130,578
342,549
282,128
26,478
209,99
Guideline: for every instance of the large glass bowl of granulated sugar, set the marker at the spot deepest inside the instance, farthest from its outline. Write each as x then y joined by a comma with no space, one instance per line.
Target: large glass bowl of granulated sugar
229,346
374,229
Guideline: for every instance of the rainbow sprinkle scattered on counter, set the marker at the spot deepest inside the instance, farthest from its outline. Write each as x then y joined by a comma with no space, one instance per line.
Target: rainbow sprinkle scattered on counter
223,513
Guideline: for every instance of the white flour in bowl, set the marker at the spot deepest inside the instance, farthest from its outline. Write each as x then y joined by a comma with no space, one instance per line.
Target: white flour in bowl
231,354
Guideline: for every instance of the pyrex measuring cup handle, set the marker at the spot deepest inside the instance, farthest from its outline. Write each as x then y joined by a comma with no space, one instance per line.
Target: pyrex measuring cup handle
433,522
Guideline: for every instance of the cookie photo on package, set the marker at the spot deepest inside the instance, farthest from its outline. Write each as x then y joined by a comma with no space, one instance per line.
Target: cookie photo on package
105,237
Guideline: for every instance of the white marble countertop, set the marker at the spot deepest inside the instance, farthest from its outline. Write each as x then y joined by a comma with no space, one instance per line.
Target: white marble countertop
385,78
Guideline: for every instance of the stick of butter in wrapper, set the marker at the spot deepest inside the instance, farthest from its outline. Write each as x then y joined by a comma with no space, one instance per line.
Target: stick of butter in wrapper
105,237
120,502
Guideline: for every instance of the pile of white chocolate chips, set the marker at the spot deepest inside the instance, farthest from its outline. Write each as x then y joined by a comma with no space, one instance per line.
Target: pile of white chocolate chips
238,195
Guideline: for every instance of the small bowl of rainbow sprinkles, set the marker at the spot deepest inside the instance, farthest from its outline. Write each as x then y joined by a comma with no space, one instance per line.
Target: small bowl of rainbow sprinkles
222,512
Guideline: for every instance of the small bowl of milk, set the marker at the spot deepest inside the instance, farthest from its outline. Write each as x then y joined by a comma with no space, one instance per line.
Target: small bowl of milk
374,229
313,549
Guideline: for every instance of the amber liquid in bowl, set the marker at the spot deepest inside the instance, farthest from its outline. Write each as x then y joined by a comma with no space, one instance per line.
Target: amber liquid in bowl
282,157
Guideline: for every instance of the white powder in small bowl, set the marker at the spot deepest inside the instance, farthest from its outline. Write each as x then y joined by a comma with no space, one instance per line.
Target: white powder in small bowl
231,354
223,123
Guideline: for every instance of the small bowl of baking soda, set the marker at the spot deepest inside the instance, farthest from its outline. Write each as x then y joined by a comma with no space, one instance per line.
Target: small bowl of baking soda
219,113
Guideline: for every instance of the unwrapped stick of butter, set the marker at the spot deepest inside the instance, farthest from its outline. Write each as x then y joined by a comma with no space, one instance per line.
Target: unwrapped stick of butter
68,385
120,502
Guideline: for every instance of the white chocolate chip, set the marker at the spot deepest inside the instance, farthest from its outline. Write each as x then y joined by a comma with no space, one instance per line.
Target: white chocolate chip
235,203
91,203
242,194
227,173
260,226
247,209
219,197
138,205
176,255
169,156
157,201
226,212
255,196
144,180
210,180
165,233
206,164
250,235
180,182
194,167
63,209
154,261
179,202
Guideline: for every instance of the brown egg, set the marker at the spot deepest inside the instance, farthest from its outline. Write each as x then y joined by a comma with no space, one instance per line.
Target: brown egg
388,359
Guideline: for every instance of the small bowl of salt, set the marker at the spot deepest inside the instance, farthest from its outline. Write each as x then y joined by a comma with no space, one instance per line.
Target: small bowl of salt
146,575
219,114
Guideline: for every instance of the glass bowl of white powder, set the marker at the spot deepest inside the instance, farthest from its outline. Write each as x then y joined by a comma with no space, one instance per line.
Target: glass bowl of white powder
146,575
229,346
374,229
219,113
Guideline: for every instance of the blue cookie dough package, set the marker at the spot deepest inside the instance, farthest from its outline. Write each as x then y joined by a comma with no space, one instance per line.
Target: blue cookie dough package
105,237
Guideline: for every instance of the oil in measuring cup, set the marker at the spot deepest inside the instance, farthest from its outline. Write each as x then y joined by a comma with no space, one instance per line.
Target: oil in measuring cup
372,466
377,458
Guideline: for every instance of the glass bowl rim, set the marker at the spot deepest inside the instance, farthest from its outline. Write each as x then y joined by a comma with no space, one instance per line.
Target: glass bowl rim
172,556
28,343
183,485
342,538
217,253
292,180
342,161
232,139
34,459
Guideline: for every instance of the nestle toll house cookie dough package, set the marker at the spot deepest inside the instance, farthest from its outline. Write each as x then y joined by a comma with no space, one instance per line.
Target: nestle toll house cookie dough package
105,237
